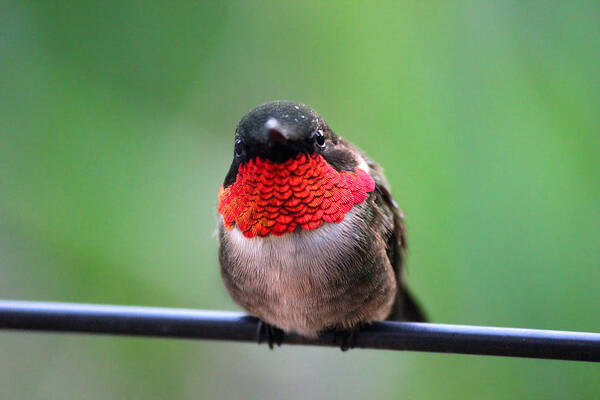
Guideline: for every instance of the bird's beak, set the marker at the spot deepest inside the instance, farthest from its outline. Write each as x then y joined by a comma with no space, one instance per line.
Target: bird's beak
276,133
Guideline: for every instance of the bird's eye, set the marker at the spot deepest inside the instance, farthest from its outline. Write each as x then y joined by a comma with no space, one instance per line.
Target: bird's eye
239,147
320,138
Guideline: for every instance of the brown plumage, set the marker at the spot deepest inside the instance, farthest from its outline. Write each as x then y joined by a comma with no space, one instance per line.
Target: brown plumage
336,276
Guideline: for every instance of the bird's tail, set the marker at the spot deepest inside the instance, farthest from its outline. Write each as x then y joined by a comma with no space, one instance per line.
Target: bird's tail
406,308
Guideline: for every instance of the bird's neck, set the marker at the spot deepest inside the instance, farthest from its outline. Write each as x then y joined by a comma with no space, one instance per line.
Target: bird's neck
304,192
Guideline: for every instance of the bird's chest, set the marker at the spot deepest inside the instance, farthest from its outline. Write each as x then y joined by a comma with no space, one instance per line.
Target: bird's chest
300,281
287,269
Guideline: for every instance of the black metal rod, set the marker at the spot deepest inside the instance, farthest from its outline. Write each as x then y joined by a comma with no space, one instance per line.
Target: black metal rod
218,325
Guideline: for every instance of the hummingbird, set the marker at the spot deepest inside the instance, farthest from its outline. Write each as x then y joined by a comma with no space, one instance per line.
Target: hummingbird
310,237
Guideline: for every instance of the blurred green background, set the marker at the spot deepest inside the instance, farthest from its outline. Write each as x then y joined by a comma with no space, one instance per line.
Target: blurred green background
116,130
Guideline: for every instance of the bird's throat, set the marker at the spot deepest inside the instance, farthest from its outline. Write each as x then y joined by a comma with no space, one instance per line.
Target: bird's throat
303,192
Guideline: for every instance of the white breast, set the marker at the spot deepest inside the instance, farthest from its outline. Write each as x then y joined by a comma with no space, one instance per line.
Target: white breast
299,280
302,250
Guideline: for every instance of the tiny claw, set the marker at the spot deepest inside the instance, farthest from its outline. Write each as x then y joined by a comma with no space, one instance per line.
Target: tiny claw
273,335
259,331
345,338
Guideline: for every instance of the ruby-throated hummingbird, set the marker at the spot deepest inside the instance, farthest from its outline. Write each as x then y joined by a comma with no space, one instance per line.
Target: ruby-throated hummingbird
310,237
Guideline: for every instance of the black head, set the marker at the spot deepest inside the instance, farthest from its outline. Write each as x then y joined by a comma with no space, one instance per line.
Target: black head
278,131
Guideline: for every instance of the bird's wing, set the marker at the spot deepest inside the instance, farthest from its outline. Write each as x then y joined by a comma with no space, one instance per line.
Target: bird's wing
405,307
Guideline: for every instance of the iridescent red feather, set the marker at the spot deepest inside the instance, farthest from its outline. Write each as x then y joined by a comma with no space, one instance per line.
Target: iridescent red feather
274,198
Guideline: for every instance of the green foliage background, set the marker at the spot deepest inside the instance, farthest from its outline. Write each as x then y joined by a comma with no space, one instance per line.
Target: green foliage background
116,129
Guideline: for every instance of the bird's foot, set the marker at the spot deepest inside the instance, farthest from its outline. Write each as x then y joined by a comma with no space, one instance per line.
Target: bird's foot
269,333
345,338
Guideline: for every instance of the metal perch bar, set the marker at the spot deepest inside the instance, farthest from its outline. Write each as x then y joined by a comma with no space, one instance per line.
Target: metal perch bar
232,326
